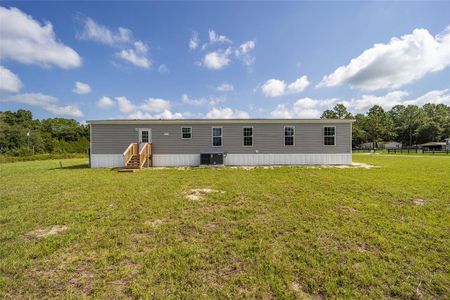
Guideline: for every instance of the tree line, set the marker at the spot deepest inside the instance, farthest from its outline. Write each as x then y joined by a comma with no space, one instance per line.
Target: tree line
21,135
410,125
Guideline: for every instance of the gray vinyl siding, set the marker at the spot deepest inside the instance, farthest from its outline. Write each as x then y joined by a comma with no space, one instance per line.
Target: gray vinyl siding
267,138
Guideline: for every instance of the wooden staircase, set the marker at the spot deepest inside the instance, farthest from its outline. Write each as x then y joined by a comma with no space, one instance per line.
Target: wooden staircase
133,159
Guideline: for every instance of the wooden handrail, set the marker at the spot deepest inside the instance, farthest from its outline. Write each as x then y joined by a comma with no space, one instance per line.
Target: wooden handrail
144,154
128,154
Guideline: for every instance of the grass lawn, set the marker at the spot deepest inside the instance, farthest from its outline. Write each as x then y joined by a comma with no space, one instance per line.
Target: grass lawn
289,232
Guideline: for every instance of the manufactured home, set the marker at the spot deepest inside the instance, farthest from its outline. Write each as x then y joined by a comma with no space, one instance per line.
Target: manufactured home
195,142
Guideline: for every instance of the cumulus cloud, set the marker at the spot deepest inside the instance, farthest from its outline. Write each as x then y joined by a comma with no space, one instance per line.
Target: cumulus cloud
81,88
435,97
47,102
27,41
363,103
68,110
226,113
217,60
276,88
156,105
105,102
125,105
132,51
225,87
397,63
298,85
136,56
273,88
281,112
243,52
304,108
203,100
186,100
163,69
152,108
194,41
217,38
100,33
166,114
9,82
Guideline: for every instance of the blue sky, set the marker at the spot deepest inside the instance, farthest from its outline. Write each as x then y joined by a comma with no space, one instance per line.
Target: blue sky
220,60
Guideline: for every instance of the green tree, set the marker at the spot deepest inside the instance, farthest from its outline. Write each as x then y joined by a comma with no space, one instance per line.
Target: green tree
339,111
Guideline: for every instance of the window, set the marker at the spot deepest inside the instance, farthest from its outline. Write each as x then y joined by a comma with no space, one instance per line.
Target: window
186,132
144,136
248,136
289,132
329,136
217,136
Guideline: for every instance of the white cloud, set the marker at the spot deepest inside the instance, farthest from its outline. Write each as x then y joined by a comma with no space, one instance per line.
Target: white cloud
9,82
225,87
220,58
304,108
105,102
81,88
156,105
96,32
203,100
217,38
281,112
299,85
194,41
244,52
226,113
163,69
27,41
435,97
185,99
392,65
136,56
363,103
47,102
166,114
68,110
125,105
275,87
217,60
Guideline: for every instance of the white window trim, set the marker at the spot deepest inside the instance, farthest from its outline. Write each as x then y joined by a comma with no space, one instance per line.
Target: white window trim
335,135
183,138
243,137
212,136
284,136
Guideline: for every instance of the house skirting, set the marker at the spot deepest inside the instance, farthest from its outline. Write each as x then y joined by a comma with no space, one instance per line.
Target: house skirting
178,160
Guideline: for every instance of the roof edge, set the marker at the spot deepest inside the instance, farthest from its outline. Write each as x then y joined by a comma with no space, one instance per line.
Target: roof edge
222,121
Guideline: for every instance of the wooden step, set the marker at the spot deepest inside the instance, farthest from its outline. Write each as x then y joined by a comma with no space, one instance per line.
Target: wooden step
127,170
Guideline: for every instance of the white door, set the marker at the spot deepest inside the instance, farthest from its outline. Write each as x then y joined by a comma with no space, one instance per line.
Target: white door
145,136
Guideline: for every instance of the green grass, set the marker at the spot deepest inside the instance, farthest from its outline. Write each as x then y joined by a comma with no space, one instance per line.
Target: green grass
289,232
43,156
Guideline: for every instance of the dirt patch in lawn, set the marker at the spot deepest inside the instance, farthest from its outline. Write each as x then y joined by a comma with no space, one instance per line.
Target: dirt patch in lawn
419,201
297,288
45,232
199,194
154,223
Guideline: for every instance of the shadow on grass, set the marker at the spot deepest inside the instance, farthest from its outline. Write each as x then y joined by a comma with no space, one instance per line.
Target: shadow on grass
73,167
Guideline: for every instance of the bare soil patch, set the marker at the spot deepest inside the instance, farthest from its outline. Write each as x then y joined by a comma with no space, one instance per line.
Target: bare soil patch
154,223
45,232
419,201
199,194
